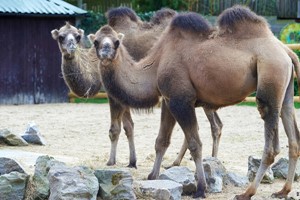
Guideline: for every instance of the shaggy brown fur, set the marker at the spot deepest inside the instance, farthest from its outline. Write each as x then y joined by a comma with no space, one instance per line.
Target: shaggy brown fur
216,72
79,66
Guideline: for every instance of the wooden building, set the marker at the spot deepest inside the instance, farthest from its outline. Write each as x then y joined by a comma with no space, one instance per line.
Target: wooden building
30,60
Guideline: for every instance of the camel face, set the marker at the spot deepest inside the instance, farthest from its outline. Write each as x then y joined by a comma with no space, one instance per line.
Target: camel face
68,38
106,42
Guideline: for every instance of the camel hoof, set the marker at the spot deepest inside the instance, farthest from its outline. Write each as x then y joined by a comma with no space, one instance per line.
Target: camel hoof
241,197
279,195
132,165
199,194
151,176
111,163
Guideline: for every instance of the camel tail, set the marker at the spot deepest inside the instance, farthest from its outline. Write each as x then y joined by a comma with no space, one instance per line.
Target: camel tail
295,61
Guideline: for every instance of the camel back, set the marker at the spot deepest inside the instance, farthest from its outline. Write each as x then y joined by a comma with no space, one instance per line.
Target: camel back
116,14
191,22
236,16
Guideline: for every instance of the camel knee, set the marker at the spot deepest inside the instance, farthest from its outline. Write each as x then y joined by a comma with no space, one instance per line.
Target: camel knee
294,150
194,147
161,144
114,132
216,131
128,128
269,156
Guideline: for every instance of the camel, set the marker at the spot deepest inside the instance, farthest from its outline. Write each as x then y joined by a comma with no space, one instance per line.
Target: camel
193,64
139,38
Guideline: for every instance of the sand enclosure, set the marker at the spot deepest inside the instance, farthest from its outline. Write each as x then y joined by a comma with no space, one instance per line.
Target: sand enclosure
78,135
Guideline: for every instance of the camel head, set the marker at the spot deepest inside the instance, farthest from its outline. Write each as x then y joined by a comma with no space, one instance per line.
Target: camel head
106,42
68,38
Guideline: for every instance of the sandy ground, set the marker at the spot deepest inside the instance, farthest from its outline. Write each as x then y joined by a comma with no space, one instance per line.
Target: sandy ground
78,135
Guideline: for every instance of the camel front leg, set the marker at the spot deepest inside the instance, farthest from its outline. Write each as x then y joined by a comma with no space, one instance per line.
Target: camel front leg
216,129
116,113
181,153
183,110
128,126
162,142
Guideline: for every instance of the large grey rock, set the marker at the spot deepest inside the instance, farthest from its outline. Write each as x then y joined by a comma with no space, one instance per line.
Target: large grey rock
8,165
214,173
38,185
12,186
236,180
181,175
280,169
253,165
32,135
115,184
77,183
11,139
158,189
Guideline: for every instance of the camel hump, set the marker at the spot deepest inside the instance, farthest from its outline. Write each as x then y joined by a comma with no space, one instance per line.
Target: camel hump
115,14
236,15
162,14
191,22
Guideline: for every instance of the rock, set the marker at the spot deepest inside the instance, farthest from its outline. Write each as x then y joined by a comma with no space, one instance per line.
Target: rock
236,180
11,139
8,165
214,173
77,183
38,185
32,135
115,184
280,169
181,175
12,186
253,164
158,189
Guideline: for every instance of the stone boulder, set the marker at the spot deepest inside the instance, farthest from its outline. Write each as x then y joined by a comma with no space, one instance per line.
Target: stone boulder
253,165
214,173
8,165
11,139
13,185
38,185
158,189
181,175
77,183
280,169
115,184
32,135
236,180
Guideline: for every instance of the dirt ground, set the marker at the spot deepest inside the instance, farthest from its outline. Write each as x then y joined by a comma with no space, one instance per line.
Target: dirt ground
78,135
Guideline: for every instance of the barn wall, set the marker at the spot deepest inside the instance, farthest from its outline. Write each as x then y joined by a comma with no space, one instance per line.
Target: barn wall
30,61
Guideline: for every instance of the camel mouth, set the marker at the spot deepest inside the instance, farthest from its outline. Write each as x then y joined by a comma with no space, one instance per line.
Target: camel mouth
105,62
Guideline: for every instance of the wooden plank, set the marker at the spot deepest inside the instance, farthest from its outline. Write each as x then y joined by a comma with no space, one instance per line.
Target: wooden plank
294,46
253,99
100,95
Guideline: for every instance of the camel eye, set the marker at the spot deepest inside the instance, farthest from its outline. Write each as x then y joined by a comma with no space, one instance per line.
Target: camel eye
96,43
61,38
117,44
78,37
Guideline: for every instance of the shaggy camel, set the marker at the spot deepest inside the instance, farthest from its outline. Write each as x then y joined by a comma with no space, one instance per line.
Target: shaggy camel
194,65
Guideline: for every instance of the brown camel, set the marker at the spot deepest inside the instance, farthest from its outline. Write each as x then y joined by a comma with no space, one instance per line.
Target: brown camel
194,65
139,38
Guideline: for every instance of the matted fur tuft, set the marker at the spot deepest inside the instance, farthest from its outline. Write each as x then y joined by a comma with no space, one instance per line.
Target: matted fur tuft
162,14
191,22
114,15
230,17
106,29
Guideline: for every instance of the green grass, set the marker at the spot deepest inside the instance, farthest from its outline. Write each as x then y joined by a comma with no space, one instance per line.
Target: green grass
91,100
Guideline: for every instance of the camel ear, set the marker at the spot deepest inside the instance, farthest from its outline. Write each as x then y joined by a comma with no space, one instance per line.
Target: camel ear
81,32
54,34
91,37
120,36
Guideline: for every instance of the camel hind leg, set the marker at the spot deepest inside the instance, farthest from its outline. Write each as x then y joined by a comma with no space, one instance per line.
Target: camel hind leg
292,132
